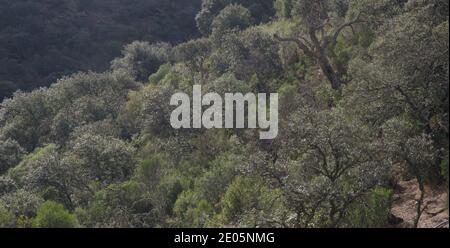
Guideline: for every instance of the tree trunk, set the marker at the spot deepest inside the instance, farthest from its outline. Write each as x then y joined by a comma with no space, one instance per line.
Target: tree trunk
419,208
329,72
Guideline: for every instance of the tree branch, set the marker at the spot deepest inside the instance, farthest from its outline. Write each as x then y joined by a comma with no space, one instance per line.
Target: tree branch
305,48
334,37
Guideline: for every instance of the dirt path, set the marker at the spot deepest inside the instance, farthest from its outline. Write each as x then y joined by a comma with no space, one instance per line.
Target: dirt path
405,198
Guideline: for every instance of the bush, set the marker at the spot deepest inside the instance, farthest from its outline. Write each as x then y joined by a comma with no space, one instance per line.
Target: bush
249,202
283,8
7,185
54,215
6,217
141,59
10,154
261,11
21,203
373,210
191,210
232,17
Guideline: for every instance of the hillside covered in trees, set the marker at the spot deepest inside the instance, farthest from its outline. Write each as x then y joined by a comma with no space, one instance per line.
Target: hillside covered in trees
41,41
364,104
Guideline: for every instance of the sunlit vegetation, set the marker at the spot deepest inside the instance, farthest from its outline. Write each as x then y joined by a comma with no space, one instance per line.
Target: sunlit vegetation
363,90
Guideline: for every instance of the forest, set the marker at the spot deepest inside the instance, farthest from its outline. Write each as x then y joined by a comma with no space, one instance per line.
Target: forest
41,41
86,139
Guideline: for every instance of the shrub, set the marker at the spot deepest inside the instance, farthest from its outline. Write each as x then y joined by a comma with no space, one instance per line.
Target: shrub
6,217
232,17
141,59
54,215
10,154
373,210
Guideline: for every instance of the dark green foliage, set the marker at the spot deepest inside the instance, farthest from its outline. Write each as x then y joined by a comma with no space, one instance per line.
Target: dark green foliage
7,185
261,11
121,205
43,41
232,17
10,154
7,88
140,59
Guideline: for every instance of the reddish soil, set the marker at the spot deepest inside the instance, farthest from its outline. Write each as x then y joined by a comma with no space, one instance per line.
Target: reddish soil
436,205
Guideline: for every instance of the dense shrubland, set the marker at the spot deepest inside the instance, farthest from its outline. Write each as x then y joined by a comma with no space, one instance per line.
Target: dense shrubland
363,91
